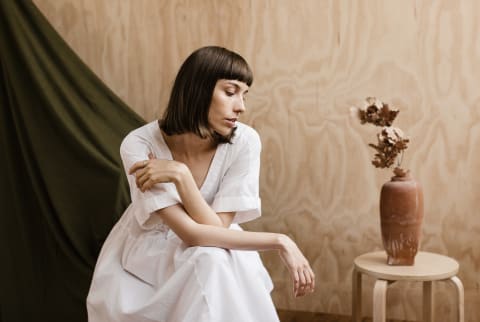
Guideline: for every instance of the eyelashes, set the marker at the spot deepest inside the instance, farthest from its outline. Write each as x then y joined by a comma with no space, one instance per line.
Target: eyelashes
230,94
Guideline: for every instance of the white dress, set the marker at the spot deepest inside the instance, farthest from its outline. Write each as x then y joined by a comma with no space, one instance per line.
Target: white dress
146,273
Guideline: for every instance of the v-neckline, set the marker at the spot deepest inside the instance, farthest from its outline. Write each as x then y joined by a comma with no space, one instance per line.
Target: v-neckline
211,167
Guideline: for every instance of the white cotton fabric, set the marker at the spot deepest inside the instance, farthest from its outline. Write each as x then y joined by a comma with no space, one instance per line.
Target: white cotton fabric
146,273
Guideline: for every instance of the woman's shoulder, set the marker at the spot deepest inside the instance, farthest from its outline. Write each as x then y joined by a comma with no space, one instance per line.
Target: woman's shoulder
147,129
246,135
146,134
246,141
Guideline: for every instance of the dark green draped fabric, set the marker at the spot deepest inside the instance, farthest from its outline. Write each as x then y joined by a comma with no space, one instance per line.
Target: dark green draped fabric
62,185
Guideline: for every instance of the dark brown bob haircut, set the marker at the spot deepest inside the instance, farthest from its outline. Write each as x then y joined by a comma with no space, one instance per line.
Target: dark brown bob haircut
187,109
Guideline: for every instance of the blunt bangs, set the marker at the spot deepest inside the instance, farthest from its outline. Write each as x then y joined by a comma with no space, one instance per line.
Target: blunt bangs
217,63
237,69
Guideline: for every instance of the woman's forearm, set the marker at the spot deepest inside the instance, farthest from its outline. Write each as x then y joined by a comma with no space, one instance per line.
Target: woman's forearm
195,234
206,235
193,202
152,171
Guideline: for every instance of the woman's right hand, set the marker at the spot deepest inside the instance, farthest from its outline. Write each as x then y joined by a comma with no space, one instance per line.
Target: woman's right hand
298,266
152,171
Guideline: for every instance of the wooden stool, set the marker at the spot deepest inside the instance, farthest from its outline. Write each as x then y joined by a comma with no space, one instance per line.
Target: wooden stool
428,267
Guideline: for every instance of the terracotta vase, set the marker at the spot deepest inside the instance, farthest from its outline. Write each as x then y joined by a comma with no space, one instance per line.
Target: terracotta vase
401,215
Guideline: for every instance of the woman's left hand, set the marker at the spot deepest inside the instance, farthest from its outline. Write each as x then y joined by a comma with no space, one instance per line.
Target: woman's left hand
298,266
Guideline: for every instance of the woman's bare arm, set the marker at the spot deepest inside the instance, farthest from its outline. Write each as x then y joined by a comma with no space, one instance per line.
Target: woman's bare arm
198,225
154,171
195,234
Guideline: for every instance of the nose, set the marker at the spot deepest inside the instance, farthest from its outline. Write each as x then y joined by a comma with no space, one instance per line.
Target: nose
239,105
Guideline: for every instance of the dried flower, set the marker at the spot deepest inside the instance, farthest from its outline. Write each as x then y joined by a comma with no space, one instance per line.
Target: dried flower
377,113
391,141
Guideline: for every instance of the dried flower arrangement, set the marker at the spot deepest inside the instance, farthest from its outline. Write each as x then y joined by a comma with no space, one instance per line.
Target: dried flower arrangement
391,141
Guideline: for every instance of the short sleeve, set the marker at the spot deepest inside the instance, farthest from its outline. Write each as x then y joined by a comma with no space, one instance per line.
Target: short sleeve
136,147
239,191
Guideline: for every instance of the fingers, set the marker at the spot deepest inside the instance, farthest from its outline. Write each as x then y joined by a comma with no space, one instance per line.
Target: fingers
141,164
303,283
139,169
149,172
137,166
141,179
310,279
299,268
308,282
147,185
304,280
296,282
313,279
144,179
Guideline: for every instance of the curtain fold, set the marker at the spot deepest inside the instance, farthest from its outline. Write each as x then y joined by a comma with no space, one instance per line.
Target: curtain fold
62,185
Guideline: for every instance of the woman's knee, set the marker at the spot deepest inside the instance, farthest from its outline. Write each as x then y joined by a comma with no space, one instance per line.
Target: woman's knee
213,256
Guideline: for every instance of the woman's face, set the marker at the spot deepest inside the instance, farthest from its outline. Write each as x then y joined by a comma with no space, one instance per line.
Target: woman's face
228,101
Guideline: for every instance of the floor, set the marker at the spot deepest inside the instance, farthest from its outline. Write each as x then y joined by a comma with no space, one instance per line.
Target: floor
297,316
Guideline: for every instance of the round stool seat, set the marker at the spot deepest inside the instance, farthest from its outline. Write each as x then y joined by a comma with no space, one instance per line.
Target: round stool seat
428,267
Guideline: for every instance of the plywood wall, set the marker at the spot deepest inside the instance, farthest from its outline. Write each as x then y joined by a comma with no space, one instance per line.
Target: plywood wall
312,60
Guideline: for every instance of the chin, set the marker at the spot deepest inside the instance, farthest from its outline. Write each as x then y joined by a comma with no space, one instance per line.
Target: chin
224,136
225,131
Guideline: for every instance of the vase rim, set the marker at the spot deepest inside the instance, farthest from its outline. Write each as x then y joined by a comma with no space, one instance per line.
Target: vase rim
402,178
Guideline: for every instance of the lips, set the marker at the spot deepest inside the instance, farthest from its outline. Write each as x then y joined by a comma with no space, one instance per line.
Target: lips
231,121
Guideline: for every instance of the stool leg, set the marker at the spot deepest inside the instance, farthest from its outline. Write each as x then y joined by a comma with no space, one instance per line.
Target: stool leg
380,301
356,296
460,295
428,302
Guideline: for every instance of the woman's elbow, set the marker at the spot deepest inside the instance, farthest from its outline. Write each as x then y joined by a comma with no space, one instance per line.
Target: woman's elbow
195,240
189,239
199,235
192,236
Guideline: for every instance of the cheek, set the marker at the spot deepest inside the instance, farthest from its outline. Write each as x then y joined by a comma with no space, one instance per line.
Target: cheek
213,114
215,110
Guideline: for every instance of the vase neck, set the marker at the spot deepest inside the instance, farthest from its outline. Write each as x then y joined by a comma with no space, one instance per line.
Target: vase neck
407,177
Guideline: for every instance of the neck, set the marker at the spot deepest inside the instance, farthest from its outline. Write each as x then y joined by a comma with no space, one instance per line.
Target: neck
188,144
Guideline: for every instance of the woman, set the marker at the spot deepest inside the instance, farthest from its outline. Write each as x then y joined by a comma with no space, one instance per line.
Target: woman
177,253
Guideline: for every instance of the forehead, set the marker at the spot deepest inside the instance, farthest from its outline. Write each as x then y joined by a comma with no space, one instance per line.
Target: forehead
233,82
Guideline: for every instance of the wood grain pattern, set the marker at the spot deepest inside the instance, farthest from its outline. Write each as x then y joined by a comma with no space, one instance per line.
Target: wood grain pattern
313,59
